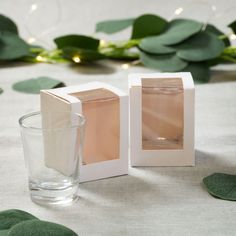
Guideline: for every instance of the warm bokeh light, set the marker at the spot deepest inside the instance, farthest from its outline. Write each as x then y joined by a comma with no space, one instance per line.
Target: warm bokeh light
40,58
76,59
31,40
33,7
179,10
125,66
102,43
233,36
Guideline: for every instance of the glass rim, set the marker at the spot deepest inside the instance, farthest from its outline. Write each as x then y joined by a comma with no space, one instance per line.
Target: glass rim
31,114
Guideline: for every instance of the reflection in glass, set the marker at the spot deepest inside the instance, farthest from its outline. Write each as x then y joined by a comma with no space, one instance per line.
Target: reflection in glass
162,114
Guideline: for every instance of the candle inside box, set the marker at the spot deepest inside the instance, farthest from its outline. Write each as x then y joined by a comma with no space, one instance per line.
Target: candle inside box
161,119
106,134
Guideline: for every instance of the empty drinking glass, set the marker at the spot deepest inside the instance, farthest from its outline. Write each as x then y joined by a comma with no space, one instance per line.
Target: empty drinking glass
52,143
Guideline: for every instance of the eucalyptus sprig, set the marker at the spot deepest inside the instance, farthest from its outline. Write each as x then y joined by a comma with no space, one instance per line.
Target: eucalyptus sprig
14,222
177,45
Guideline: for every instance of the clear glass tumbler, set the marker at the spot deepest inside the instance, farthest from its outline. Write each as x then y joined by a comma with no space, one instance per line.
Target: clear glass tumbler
52,144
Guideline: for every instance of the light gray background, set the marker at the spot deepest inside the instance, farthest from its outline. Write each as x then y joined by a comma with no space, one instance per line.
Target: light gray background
149,201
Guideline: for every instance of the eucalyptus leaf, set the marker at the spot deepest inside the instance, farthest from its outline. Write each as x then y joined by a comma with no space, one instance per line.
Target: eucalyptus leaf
217,61
147,25
155,45
77,41
1,90
200,71
12,217
113,26
212,29
81,55
4,232
221,185
179,30
12,47
201,47
39,228
36,84
6,24
167,63
232,25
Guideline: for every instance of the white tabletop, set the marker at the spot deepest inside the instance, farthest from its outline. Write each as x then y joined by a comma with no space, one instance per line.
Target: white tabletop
148,201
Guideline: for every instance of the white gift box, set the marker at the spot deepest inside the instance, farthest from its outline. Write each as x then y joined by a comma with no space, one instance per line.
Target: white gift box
161,119
106,131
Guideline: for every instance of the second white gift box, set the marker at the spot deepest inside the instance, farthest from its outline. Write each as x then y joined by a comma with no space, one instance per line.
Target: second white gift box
106,134
161,119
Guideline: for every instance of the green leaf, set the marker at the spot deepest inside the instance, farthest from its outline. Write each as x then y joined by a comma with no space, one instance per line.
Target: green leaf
12,47
1,90
113,26
221,185
4,232
216,61
39,228
12,217
200,71
77,41
167,63
82,55
155,45
179,30
201,47
147,25
212,29
6,24
36,84
232,25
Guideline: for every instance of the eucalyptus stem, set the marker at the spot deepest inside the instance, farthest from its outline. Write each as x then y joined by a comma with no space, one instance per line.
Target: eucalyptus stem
228,58
230,50
121,50
119,45
36,49
229,54
223,36
45,56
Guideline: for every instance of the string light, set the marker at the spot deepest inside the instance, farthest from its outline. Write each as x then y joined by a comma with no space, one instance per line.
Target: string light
34,7
213,7
125,66
103,43
178,11
31,40
76,59
40,58
34,10
232,36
